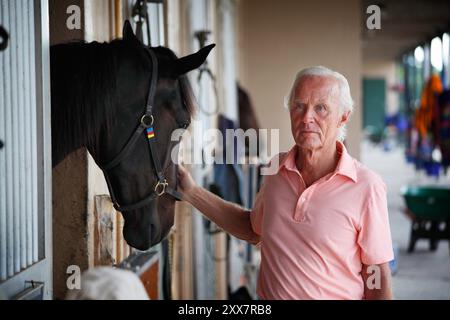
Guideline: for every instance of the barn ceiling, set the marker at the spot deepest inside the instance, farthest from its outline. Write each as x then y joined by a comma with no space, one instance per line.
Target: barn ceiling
404,25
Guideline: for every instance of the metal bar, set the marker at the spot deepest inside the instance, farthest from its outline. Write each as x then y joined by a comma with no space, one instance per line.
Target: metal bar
33,132
34,292
15,138
28,134
161,37
3,213
43,130
26,137
19,132
147,23
8,146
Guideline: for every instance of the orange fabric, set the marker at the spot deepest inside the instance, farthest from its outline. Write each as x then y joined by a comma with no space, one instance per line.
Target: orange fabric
426,112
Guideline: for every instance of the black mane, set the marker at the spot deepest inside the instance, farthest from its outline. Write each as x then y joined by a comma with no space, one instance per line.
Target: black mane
83,91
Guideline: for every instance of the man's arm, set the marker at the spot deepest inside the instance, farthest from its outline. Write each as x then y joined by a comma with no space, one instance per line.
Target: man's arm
227,215
377,282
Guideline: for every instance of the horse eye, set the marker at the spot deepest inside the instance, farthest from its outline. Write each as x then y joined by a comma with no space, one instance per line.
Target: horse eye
184,125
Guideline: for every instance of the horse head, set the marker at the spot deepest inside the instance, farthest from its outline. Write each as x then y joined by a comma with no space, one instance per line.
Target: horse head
142,179
122,100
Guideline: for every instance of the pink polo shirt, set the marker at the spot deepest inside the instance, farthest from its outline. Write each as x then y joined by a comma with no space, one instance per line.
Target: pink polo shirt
314,240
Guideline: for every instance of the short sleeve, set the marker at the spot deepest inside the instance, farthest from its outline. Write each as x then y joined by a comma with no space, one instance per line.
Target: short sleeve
374,238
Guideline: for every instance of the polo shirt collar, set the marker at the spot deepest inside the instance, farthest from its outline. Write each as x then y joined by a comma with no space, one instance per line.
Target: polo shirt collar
345,167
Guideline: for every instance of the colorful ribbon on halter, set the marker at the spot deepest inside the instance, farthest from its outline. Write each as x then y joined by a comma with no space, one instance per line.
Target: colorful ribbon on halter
150,133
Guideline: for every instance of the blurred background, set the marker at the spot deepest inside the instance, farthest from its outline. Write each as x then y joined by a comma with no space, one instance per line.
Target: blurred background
395,55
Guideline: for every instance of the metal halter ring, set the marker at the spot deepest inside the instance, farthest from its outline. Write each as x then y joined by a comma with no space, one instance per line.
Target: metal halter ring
145,120
160,187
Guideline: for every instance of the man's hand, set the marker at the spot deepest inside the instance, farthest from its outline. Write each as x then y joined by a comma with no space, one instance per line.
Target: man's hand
186,183
228,216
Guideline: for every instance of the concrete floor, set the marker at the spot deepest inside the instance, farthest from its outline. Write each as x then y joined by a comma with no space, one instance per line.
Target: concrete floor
422,274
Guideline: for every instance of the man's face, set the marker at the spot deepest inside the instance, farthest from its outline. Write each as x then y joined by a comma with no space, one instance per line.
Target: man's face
315,112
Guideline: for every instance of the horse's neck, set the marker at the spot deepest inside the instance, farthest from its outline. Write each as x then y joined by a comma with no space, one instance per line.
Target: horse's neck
62,147
82,95
71,107
78,133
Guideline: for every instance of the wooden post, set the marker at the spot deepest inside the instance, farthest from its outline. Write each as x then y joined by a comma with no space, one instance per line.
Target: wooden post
105,239
120,255
118,18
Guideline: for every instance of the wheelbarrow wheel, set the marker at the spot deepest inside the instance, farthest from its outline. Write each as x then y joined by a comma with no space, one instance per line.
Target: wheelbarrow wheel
412,237
434,236
412,244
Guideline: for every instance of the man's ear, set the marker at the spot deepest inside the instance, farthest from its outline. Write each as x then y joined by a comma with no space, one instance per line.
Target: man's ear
127,32
344,118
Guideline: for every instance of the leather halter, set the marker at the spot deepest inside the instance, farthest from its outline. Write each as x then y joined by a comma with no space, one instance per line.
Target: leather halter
146,124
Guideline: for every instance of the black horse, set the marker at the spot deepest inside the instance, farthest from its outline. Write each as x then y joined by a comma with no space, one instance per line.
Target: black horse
99,95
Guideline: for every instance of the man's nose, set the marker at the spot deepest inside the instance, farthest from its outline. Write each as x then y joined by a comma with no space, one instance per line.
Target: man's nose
308,115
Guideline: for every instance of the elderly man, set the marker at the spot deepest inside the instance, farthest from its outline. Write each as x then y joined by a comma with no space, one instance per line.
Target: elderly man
322,219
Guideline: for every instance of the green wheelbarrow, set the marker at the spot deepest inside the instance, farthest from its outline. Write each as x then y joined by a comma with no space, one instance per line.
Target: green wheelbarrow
429,209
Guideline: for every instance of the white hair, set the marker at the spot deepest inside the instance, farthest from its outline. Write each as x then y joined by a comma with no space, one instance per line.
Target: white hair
345,98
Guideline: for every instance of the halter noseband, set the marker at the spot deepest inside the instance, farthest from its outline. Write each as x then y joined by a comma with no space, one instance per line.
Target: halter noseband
146,124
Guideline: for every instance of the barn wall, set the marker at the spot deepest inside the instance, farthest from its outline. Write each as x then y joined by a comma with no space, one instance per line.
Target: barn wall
69,177
182,267
227,275
200,264
98,27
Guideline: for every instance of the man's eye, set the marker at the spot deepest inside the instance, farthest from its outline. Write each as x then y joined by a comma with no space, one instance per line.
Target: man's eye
321,108
299,106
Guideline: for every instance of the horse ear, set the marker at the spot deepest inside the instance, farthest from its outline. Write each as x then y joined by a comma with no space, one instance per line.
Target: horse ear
192,61
127,32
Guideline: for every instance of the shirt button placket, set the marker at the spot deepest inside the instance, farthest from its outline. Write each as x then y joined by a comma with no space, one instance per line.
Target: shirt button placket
304,207
300,209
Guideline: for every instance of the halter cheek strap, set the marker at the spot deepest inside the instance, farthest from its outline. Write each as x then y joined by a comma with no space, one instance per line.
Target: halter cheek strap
145,126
